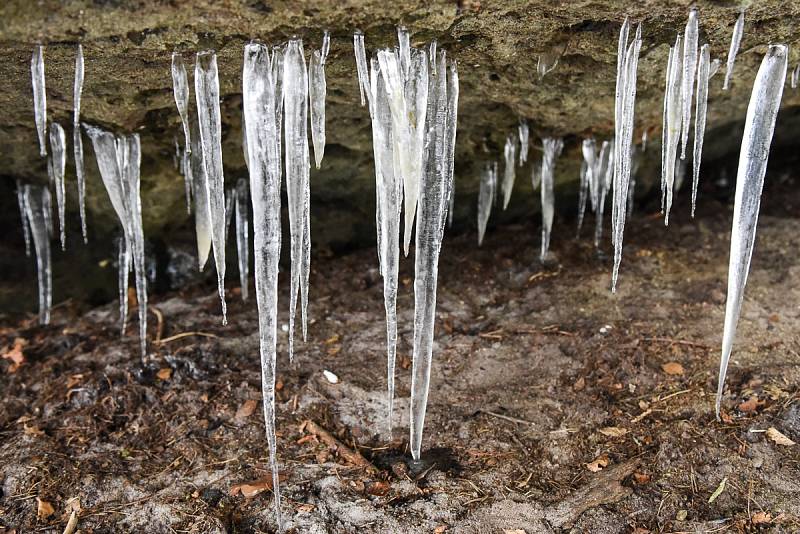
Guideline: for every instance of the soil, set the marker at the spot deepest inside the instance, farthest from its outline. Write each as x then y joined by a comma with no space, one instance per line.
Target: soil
555,405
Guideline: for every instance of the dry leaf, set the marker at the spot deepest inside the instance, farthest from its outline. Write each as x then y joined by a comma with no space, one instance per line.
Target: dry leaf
333,339
761,518
246,409
641,478
44,509
72,523
165,373
32,430
74,380
251,489
750,405
779,438
598,463
579,384
672,368
613,431
305,508
15,355
514,531
441,529
379,488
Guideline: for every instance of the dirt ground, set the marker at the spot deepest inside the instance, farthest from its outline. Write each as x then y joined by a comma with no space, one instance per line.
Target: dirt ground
555,405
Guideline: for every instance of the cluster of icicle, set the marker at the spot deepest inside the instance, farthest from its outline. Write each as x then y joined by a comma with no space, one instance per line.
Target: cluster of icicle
413,103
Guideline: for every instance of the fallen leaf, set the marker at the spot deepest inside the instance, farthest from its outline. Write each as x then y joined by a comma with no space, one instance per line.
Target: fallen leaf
379,488
305,508
44,509
681,515
641,478
613,431
598,463
74,380
718,491
640,530
579,384
441,529
514,531
333,339
15,355
32,430
165,373
334,350
246,409
72,523
672,368
251,489
761,518
779,438
750,405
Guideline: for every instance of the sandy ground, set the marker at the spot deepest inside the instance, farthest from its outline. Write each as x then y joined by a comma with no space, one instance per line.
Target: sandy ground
554,404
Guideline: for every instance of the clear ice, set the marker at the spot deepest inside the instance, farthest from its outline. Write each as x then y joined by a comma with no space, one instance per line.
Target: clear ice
687,79
524,140
243,234
509,173
295,108
39,97
604,175
58,161
361,65
26,228
700,119
180,90
756,140
206,88
37,203
736,40
552,149
77,139
795,76
672,126
261,101
196,172
589,152
486,194
317,91
433,195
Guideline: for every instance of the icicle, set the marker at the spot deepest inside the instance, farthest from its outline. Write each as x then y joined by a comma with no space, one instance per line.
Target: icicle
36,204
361,65
432,57
605,176
509,174
119,159
58,155
756,140
687,80
197,175
404,47
625,148
536,176
665,127
230,198
486,195
433,195
714,68
77,139
644,140
123,268
795,76
450,145
672,127
295,102
589,151
700,119
39,98
243,234
736,39
389,193
261,100
524,137
316,92
552,149
47,204
546,63
180,90
206,88
26,227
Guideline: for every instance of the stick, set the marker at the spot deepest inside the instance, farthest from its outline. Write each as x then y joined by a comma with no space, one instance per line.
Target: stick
351,456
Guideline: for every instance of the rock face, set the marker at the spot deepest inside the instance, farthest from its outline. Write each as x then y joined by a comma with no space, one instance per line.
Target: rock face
127,46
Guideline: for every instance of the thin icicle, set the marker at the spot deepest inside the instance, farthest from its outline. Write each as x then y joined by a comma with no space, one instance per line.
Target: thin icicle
589,152
26,227
644,140
361,65
795,76
230,199
243,234
450,143
36,203
389,194
433,194
552,149
536,176
317,91
664,127
39,98
206,87
687,80
295,103
736,39
180,90
714,68
404,48
524,139
700,119
486,194
58,160
77,140
756,140
123,268
509,174
673,127
605,176
196,172
260,104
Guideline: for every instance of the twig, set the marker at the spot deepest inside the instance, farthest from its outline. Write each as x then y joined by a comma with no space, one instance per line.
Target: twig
677,342
662,399
183,335
506,417
354,457
160,327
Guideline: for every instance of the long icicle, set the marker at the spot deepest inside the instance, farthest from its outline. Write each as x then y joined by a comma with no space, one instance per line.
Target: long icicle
58,159
756,140
317,91
243,234
361,66
26,227
486,195
295,103
589,152
196,172
509,173
700,119
687,80
673,127
39,98
736,40
552,149
77,140
180,90
36,205
206,87
261,102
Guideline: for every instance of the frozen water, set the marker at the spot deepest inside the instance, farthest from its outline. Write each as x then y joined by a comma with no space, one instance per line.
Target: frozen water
243,234
552,149
524,142
486,194
317,91
58,161
509,173
39,97
700,119
687,79
736,39
37,203
77,139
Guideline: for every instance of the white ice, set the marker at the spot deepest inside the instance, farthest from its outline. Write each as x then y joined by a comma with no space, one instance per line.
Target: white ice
77,139
589,152
243,234
604,174
736,39
37,204
39,98
180,90
197,175
58,160
509,173
486,194
552,149
688,75
26,228
361,65
317,91
700,119
524,140
759,126
672,126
